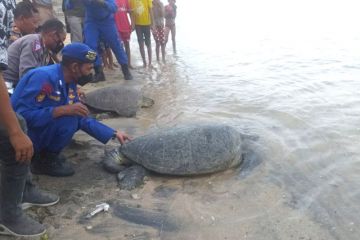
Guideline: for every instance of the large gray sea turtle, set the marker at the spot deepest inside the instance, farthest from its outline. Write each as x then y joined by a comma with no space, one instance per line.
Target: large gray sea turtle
123,100
183,151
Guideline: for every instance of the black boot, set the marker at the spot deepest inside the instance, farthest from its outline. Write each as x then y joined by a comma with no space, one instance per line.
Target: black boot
99,75
33,196
126,72
13,221
51,164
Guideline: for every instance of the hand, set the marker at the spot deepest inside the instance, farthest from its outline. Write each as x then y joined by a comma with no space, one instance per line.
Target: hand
23,147
122,137
76,109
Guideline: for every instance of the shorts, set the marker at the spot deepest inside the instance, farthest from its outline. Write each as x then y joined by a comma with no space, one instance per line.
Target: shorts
143,34
125,36
159,34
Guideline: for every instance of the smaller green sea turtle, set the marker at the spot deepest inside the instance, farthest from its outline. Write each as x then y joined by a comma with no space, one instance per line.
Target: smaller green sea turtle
120,99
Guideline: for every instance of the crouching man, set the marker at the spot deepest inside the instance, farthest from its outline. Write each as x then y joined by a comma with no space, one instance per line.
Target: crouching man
47,98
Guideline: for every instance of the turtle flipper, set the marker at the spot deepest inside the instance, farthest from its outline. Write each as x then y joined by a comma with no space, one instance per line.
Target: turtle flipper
131,177
146,102
114,161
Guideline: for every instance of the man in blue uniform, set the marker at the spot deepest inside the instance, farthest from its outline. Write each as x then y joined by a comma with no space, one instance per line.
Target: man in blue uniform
100,24
47,98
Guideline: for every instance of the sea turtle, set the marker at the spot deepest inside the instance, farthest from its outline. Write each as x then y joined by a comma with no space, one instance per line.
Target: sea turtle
123,100
182,151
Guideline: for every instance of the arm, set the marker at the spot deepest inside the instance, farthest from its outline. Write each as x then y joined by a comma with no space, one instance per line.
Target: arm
29,57
132,18
20,142
96,129
131,15
162,10
100,131
28,100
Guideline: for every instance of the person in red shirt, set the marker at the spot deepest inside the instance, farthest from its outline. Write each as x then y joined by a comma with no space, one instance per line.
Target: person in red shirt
123,25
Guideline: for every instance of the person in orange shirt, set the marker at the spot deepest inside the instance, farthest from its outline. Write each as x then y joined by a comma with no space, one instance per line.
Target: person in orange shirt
142,16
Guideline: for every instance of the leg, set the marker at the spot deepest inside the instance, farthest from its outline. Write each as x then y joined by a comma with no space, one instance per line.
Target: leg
13,176
162,42
173,33
48,142
76,28
162,46
156,36
125,36
146,30
127,50
56,135
140,39
45,14
104,59
112,38
167,31
91,35
110,58
157,48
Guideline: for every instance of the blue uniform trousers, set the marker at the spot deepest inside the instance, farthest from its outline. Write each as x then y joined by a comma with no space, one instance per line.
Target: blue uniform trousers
54,136
94,30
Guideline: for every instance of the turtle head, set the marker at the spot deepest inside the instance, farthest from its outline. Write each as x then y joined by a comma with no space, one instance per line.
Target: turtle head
116,156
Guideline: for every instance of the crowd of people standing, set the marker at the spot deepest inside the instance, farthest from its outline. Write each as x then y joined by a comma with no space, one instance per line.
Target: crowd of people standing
45,109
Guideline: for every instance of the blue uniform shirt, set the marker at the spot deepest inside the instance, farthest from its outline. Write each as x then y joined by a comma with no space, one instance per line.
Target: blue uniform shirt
41,90
98,11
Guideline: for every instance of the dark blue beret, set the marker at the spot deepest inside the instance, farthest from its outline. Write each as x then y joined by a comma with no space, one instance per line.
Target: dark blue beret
79,51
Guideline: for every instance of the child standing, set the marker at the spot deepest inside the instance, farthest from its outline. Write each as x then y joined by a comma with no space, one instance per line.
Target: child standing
123,25
170,15
141,12
158,28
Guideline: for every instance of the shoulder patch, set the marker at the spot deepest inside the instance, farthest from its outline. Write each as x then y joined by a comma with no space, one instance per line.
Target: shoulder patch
40,97
36,46
46,88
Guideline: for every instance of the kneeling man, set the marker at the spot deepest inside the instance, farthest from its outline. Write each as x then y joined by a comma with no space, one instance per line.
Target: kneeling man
47,98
